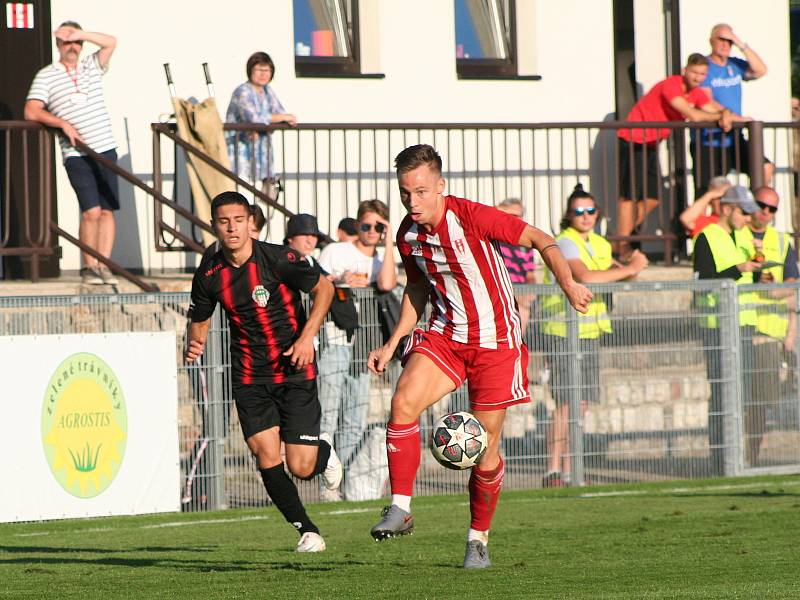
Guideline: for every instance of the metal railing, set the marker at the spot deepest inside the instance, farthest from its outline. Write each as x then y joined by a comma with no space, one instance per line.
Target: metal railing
327,169
39,203
25,201
665,398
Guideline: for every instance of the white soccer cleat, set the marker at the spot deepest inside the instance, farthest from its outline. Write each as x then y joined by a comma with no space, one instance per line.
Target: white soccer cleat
332,475
311,542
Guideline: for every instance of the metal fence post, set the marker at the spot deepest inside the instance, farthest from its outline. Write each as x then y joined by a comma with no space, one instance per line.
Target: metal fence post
576,387
731,375
755,135
215,426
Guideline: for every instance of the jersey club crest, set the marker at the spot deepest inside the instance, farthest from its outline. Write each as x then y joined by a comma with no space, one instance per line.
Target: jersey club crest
260,295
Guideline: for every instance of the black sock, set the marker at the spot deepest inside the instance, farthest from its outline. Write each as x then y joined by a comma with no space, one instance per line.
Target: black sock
284,494
323,454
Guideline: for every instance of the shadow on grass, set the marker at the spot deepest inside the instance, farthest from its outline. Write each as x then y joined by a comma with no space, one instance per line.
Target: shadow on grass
762,494
70,549
39,563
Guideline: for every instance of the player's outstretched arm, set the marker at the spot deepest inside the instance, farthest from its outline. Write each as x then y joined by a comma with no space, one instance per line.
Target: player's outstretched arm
198,333
578,295
302,351
412,307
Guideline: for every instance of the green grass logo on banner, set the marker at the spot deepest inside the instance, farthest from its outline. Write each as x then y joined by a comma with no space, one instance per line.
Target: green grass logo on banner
84,425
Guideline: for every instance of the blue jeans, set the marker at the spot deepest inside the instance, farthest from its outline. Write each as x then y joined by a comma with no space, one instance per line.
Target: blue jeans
344,400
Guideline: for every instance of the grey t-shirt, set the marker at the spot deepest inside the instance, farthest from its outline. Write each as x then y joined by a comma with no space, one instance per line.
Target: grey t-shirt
571,251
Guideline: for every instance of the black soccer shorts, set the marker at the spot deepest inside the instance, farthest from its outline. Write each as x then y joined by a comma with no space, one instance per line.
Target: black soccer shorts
293,406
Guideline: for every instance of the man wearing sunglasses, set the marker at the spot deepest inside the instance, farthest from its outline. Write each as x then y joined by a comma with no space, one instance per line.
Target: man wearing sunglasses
719,152
68,95
776,320
344,385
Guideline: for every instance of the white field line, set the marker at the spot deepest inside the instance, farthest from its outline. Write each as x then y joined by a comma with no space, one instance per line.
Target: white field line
203,522
347,511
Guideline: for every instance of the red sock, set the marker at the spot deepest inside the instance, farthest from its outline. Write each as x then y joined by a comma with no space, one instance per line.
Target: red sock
402,449
484,492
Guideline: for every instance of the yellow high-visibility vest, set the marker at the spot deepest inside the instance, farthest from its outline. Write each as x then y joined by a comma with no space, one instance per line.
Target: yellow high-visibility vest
728,253
596,321
771,316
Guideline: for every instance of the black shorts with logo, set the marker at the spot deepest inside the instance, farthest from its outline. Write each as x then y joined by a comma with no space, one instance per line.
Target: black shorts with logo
293,406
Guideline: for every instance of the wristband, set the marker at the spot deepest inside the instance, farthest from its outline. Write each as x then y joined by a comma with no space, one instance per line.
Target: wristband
547,248
744,47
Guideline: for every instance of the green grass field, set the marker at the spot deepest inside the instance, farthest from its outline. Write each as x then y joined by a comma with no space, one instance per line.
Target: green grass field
735,538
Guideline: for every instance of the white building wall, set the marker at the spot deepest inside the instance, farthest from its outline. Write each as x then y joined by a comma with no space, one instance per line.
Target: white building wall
572,51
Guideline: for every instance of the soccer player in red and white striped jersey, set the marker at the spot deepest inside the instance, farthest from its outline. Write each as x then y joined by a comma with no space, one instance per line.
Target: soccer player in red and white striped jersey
448,248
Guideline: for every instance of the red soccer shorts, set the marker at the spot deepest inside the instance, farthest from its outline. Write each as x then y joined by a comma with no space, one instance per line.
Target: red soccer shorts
497,378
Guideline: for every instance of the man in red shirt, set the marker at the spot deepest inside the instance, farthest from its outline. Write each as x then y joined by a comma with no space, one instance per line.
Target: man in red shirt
676,98
448,248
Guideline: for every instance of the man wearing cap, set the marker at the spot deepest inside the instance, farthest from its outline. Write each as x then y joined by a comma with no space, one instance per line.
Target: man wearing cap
722,252
776,319
68,95
344,381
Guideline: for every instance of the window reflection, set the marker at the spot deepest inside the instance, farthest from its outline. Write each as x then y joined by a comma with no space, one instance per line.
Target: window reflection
482,29
322,28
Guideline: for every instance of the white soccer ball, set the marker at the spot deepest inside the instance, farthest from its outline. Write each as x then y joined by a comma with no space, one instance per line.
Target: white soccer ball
459,441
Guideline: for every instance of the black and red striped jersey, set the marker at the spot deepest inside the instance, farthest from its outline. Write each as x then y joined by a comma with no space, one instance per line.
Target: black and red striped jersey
264,307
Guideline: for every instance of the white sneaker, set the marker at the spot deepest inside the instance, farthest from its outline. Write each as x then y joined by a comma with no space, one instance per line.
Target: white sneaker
326,495
332,475
311,542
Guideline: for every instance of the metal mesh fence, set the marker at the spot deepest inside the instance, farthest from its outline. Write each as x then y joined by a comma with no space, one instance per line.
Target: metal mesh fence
660,396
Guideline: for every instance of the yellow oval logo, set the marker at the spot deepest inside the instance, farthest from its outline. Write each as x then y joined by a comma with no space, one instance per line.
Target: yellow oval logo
84,425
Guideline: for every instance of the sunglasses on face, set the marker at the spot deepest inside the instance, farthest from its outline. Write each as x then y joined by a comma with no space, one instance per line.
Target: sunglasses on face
769,207
379,227
584,210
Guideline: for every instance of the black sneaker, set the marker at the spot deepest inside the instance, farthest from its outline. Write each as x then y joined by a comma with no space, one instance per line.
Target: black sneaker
91,276
553,480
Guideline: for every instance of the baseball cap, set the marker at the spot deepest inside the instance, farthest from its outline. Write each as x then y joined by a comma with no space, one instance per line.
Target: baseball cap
738,194
302,224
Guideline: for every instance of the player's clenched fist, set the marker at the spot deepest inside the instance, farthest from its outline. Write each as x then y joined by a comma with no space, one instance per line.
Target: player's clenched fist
579,297
379,358
194,350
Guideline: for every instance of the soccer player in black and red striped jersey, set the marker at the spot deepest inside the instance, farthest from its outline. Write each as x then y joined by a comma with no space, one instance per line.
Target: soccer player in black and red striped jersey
272,353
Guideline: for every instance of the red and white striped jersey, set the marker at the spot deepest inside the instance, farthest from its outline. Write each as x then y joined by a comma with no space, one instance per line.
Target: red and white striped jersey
470,289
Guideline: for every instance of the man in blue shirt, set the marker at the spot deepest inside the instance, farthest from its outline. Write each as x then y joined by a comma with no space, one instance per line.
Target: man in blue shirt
720,152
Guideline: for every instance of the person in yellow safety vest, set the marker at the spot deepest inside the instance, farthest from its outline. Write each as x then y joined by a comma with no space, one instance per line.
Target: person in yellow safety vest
589,257
721,252
776,317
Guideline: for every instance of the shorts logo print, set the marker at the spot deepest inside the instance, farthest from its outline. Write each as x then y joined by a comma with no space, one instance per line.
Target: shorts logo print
260,295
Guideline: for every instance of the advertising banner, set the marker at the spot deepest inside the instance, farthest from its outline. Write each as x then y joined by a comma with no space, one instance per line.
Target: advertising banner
89,425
